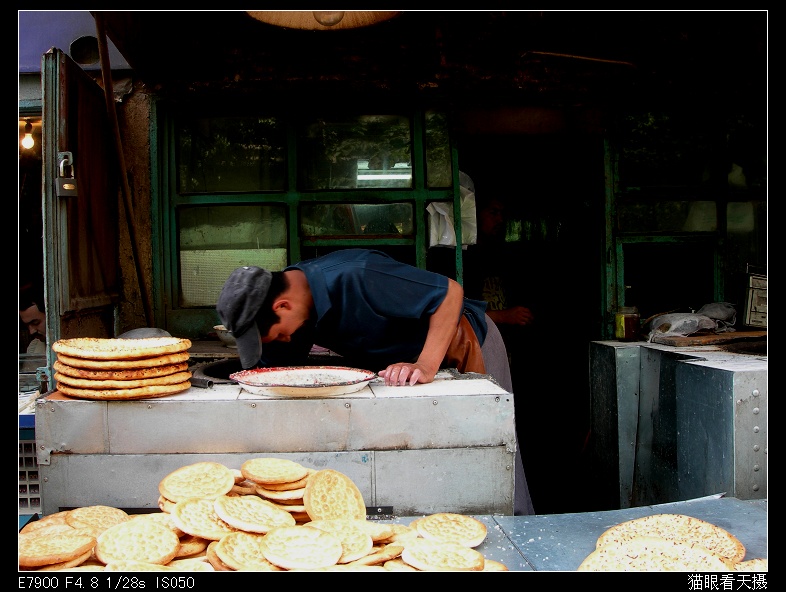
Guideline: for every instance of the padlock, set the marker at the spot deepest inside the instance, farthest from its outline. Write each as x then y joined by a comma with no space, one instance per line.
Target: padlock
65,186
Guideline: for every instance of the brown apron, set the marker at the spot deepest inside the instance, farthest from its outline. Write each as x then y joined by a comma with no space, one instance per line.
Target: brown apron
464,352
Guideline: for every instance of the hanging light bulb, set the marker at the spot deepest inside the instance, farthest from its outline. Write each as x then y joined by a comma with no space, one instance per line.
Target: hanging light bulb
28,142
328,18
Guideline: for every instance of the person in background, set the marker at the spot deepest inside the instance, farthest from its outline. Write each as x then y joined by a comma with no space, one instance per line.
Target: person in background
376,312
489,273
32,313
500,274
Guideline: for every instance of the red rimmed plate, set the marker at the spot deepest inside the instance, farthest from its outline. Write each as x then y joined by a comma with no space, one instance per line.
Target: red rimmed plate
303,381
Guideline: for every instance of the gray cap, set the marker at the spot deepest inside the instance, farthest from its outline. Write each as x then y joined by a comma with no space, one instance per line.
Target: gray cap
238,305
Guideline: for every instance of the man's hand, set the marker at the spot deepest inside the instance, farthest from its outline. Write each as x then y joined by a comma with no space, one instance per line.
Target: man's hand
517,315
402,374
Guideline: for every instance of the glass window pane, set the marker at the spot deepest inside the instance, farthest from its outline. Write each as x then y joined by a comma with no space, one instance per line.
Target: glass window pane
214,240
389,220
366,151
439,165
218,154
667,216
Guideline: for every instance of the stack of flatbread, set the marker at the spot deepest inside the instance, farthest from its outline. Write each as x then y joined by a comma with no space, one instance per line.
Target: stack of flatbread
108,369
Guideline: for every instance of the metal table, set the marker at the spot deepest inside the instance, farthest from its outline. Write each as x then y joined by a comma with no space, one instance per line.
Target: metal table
560,542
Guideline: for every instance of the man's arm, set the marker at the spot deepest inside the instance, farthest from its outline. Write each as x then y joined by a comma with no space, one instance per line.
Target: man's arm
442,328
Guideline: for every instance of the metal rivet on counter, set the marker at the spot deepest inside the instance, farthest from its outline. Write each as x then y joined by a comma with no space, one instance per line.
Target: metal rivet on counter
433,402
755,429
755,392
755,411
496,399
149,406
253,405
756,447
756,467
347,405
755,488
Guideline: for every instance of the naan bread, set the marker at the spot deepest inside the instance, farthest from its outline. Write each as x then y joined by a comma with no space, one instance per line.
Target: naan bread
96,348
679,528
650,553
177,378
142,392
155,362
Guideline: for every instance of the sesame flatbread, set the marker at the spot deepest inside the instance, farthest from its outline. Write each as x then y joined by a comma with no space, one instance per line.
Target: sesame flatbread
759,564
122,375
142,392
679,528
650,553
96,348
154,362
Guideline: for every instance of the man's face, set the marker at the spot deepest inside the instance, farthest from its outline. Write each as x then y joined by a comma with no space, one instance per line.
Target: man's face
290,319
35,321
491,219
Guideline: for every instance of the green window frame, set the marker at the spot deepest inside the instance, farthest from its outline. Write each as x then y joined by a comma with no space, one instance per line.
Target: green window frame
179,316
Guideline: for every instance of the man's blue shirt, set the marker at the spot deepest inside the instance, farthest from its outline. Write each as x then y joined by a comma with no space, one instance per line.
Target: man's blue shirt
370,308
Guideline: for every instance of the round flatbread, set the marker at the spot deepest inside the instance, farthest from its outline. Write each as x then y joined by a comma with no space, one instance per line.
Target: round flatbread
85,383
137,540
272,470
355,540
35,550
649,553
142,392
251,513
301,547
122,375
197,516
331,494
98,517
446,527
96,348
109,365
428,555
679,528
205,479
759,564
243,551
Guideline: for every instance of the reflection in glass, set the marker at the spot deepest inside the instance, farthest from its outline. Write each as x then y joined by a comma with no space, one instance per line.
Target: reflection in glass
215,240
218,154
390,220
366,151
439,165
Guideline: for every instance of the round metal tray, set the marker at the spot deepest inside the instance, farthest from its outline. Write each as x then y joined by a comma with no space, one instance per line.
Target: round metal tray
303,381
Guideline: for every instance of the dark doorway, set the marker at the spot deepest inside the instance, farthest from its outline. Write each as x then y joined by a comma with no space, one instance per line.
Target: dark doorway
553,188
